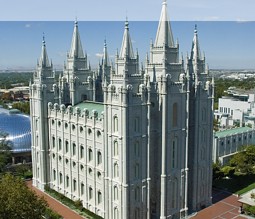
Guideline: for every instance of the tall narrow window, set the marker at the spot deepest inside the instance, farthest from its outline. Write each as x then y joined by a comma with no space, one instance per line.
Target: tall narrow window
54,174
137,171
116,170
99,197
137,149
53,142
90,155
115,148
67,146
99,157
115,193
67,181
60,178
82,152
116,213
82,188
90,193
137,194
115,123
74,149
136,124
175,114
174,153
74,185
59,144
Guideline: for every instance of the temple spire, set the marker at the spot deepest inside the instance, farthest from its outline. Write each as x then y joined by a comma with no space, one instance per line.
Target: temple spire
76,50
44,60
195,50
164,34
105,56
126,48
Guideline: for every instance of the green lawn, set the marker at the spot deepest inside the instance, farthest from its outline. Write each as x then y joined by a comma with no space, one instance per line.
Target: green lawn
237,185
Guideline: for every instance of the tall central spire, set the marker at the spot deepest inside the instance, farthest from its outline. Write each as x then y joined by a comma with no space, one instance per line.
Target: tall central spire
44,60
76,50
126,48
195,50
105,56
164,34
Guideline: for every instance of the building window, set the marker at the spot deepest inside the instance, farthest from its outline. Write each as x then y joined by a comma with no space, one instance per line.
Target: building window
137,149
174,152
89,131
74,164
99,157
59,144
60,178
137,171
82,167
98,134
116,170
74,185
115,123
59,123
73,127
67,181
60,158
82,188
67,161
53,142
54,175
82,152
137,194
90,154
66,125
81,129
136,124
90,193
90,171
74,149
116,213
67,146
115,148
98,175
175,114
99,197
115,193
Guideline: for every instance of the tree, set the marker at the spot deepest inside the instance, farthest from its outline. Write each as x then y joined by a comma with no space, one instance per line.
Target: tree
18,201
244,161
5,150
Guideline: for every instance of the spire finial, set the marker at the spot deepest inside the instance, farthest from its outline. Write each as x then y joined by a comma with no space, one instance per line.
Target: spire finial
43,39
126,23
164,2
76,21
195,30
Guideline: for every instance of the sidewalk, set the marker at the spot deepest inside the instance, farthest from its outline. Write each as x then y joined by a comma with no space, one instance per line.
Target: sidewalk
61,209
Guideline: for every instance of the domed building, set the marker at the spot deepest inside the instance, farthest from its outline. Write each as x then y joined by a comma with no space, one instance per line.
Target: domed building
17,126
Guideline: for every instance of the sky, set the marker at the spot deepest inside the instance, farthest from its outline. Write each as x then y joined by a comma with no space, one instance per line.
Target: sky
226,29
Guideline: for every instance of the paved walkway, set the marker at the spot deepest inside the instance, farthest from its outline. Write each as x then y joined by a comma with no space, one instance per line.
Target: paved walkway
61,209
225,206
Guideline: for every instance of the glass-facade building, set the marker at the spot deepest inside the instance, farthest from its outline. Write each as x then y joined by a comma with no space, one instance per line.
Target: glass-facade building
17,126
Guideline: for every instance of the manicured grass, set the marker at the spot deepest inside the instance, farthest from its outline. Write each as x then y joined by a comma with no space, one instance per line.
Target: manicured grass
237,184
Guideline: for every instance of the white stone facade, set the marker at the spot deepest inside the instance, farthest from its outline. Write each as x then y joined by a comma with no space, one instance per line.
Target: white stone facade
129,142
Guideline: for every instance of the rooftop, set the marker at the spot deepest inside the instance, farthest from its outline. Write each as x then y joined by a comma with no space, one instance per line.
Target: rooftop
227,132
90,106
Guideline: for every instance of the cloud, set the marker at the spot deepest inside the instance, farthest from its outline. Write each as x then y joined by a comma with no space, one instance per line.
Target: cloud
28,25
100,55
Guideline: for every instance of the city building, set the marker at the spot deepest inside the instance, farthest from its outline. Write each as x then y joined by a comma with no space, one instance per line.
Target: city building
230,141
17,127
128,141
236,109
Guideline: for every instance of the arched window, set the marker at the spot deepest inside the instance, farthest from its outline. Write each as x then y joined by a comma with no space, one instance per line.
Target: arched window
175,114
99,197
67,181
137,149
115,123
136,171
136,124
74,185
67,146
115,148
59,144
74,149
54,174
82,188
90,154
82,152
53,142
99,158
60,178
115,193
116,170
90,193
137,194
116,213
